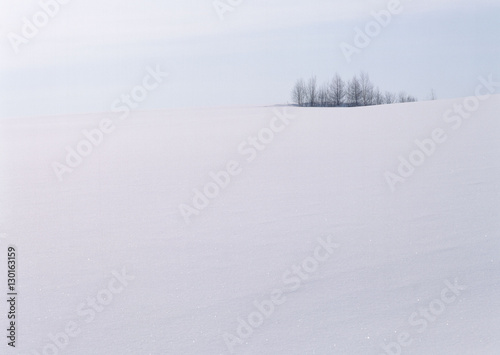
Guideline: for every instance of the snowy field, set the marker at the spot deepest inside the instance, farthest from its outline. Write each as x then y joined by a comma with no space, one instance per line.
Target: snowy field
255,230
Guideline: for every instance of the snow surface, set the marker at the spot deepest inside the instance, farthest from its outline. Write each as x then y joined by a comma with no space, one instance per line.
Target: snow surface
321,177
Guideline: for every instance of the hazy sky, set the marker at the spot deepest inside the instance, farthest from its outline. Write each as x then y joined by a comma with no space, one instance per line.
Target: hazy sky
91,52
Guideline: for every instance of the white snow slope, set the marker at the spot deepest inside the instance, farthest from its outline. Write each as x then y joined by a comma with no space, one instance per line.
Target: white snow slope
412,271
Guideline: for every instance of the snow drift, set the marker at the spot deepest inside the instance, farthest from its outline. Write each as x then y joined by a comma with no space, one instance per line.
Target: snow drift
370,230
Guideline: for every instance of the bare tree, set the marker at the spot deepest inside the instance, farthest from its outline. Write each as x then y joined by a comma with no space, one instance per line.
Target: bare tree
389,97
378,97
432,95
299,93
359,91
404,97
354,92
366,89
323,96
337,91
312,92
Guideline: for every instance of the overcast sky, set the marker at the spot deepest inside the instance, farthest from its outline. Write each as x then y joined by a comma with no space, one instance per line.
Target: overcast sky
91,52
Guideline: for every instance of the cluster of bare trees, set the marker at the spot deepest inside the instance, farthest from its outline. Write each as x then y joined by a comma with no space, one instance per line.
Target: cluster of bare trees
359,91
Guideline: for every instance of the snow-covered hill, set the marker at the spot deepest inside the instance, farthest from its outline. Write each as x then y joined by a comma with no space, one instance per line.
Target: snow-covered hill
264,230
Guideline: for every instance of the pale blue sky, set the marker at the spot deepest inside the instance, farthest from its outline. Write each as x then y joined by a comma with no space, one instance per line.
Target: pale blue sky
90,53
